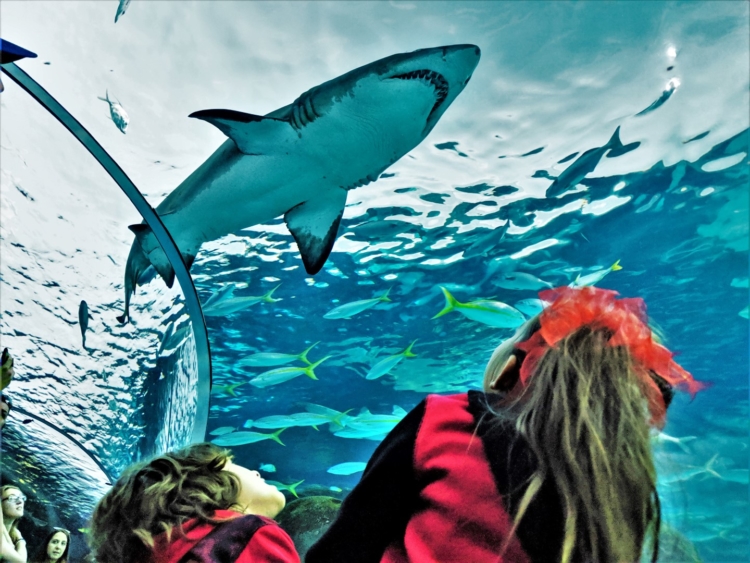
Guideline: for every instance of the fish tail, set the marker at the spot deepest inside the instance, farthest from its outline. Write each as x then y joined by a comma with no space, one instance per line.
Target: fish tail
105,99
385,297
450,303
275,437
293,487
267,297
710,466
408,353
303,355
309,371
616,266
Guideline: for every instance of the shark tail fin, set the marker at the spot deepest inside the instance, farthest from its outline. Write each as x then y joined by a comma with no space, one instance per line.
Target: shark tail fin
309,370
156,256
385,297
408,353
450,303
303,355
267,297
275,437
616,266
293,487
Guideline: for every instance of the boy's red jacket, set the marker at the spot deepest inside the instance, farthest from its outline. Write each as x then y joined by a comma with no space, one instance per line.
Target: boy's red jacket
242,539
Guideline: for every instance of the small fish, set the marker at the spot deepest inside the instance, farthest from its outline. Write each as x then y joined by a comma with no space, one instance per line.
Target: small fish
227,306
267,467
280,375
243,438
531,307
348,310
291,488
691,471
83,320
336,489
661,438
387,364
226,389
121,9
223,430
492,313
117,113
291,420
268,359
221,294
348,468
521,281
596,277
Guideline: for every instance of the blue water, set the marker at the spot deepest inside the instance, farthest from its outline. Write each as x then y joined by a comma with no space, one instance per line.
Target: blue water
680,247
468,209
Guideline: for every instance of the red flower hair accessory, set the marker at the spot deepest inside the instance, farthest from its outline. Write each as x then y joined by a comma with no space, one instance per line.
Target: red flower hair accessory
572,308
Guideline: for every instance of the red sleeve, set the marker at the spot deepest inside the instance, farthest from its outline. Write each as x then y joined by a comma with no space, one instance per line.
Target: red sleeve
270,544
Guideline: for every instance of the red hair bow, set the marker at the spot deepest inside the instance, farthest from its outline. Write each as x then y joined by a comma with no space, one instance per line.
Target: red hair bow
571,308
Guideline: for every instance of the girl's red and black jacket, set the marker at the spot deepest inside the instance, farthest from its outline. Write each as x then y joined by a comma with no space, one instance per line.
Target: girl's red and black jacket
442,488
242,538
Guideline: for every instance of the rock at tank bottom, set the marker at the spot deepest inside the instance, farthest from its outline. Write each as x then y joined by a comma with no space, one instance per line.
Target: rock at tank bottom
306,519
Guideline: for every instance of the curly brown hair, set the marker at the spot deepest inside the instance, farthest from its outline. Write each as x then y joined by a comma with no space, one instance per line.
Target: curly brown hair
159,496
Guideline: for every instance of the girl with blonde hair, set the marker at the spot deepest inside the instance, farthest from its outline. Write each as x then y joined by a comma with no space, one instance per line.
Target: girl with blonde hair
192,505
13,547
551,463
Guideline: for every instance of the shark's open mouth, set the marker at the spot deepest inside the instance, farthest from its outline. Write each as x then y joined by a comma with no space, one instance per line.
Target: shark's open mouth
439,83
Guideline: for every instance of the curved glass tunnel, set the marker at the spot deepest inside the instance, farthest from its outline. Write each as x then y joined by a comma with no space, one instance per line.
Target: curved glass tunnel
95,395
471,209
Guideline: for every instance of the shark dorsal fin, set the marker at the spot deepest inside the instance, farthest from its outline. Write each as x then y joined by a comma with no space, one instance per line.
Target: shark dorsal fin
314,225
253,134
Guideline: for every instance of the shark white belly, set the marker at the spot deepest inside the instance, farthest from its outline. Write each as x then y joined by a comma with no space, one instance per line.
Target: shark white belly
300,161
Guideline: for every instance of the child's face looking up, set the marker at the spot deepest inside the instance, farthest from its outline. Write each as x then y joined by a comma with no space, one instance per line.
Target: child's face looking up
256,496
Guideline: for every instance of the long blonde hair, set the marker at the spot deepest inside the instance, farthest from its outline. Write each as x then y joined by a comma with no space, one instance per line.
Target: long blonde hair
159,496
584,415
2,493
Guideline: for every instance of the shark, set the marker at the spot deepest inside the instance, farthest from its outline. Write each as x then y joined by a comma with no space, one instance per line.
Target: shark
301,160
587,162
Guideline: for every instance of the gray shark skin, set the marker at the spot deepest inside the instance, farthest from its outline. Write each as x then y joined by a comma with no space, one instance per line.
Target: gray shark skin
587,162
300,160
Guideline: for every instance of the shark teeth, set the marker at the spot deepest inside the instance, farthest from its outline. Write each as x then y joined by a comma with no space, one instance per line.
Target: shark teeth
439,83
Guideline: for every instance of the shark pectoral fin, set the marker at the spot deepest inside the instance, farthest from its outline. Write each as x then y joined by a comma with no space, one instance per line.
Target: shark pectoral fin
153,251
253,134
314,225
